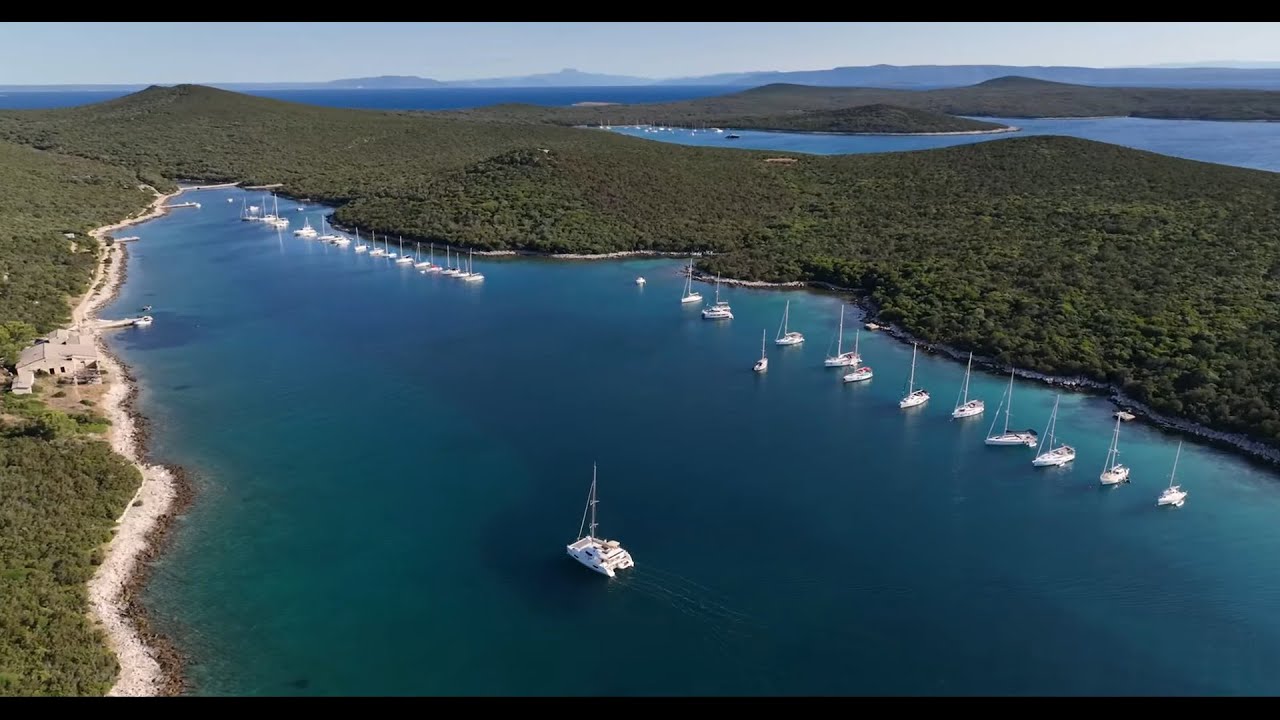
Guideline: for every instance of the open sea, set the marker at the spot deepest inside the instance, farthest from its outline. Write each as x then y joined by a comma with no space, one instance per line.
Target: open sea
390,464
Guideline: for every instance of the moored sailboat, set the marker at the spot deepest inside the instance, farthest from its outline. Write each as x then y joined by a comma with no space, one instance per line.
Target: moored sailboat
787,336
1113,473
914,397
1007,437
1055,455
689,295
720,310
842,359
964,406
1174,494
763,363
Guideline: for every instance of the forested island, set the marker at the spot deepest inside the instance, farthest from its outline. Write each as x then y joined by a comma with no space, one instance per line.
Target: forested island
1001,97
1059,255
878,119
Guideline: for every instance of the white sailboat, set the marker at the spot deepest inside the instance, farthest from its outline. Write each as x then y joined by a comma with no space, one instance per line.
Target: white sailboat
842,359
603,556
449,270
1174,494
1113,473
306,230
360,247
859,372
404,259
325,235
720,310
689,295
431,267
376,251
914,397
763,363
248,213
277,222
472,276
1016,437
786,336
266,217
421,264
964,406
1055,456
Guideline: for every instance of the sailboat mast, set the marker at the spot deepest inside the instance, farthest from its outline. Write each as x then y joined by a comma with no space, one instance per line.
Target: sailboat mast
1176,455
1009,408
840,335
762,336
594,499
967,369
1112,451
911,381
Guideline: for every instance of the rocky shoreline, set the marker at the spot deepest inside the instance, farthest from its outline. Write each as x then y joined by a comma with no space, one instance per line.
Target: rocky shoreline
1252,449
149,663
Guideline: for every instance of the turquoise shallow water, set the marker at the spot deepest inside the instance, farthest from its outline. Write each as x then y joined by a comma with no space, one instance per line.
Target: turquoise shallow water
390,464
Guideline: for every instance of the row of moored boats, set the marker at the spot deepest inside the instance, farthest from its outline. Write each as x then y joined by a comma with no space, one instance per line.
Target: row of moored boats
453,266
1050,451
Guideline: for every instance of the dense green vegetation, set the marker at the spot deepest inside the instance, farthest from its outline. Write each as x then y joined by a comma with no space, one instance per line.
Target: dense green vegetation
60,488
867,119
1002,97
1061,255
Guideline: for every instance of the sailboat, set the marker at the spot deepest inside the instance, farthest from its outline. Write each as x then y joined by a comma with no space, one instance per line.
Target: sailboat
248,213
404,259
1174,494
360,247
689,295
1054,456
720,310
431,267
421,264
376,251
913,397
471,275
785,335
603,556
449,270
306,230
842,359
326,236
387,246
264,217
1017,437
763,363
1113,473
859,372
964,406
276,221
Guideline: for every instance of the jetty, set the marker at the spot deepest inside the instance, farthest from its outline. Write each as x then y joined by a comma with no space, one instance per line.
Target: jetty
184,205
131,238
1124,415
103,324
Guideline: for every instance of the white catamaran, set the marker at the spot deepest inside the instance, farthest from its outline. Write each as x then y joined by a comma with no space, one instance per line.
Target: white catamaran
1015,437
763,363
1174,494
964,406
720,310
306,230
842,359
913,397
1113,473
787,336
603,556
1055,456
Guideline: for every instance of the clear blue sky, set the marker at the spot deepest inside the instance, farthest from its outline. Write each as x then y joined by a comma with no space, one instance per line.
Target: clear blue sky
52,53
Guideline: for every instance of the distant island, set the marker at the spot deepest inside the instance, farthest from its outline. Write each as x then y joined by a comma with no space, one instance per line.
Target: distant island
1153,275
918,77
879,119
785,106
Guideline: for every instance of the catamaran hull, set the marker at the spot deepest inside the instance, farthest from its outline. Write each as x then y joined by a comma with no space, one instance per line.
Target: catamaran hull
1112,477
584,561
1011,439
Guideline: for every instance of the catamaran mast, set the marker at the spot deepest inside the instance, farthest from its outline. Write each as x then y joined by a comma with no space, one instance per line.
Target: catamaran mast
594,500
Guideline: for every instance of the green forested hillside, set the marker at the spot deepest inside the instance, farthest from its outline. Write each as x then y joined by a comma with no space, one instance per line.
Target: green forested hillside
878,119
1063,255
60,490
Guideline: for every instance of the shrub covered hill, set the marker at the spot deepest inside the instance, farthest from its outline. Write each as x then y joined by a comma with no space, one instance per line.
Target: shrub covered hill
796,107
1056,254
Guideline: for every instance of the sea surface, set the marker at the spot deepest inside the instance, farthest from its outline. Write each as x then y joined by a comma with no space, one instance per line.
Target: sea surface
1246,144
390,465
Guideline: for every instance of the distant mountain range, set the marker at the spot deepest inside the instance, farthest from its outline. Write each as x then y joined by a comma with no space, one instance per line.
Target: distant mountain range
1233,74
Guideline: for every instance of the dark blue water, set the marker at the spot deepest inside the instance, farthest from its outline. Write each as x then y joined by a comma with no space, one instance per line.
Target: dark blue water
1252,144
390,465
447,98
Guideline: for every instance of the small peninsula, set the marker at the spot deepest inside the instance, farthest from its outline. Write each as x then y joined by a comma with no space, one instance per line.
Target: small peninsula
879,119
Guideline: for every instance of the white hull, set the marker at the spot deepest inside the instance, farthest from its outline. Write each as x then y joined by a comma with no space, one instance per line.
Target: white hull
761,365
304,233
691,298
430,269
1175,498
342,241
474,277
1114,476
717,315
1055,458
858,375
915,399
973,408
639,281
793,338
848,359
422,265
599,556
362,248
1013,438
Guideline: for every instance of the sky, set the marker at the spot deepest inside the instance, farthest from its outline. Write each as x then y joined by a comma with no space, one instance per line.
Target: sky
157,52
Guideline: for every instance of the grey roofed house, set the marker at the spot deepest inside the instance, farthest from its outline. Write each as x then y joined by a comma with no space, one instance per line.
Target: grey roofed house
58,358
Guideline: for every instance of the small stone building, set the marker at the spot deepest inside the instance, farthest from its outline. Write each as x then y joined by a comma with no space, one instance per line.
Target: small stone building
64,352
